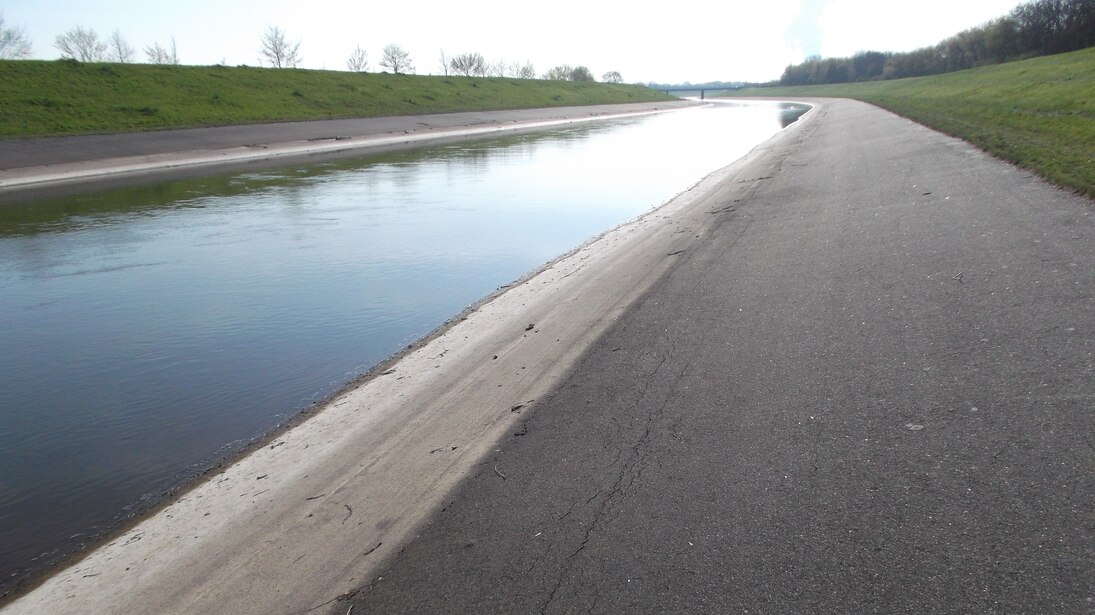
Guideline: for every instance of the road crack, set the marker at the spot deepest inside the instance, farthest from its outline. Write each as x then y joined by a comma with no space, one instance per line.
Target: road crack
631,470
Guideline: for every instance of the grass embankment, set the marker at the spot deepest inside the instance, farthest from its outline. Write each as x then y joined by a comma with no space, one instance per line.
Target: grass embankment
39,98
1037,113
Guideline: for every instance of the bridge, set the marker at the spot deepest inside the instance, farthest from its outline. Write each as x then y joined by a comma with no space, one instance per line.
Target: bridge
695,88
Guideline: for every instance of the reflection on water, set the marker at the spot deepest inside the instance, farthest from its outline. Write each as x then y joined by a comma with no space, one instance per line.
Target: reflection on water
149,330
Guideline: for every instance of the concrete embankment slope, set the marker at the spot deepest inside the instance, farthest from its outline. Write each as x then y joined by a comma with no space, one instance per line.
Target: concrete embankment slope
75,162
868,387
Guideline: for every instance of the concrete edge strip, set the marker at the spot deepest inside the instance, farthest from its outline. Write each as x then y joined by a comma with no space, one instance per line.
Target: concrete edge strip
28,177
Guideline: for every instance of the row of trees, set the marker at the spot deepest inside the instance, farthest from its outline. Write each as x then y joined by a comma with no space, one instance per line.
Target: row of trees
1035,28
565,72
84,45
475,65
278,51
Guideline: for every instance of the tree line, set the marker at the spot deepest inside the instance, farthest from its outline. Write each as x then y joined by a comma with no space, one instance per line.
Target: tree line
84,45
1039,27
278,51
473,64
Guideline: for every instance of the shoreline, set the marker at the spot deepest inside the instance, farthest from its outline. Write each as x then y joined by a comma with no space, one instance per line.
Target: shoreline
427,416
35,168
376,136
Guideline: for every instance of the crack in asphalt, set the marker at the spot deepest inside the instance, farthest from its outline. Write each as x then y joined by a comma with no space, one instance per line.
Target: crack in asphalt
629,473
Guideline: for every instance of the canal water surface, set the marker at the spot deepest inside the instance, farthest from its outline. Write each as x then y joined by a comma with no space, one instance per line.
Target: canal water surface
147,332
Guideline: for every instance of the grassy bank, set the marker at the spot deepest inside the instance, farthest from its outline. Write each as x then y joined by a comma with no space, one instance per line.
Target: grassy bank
40,98
1037,113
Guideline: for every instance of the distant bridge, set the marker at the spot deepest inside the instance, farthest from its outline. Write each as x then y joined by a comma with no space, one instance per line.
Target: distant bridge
695,88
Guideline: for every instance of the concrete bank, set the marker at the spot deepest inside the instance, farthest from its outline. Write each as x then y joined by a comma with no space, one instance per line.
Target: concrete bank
866,385
852,372
75,163
302,520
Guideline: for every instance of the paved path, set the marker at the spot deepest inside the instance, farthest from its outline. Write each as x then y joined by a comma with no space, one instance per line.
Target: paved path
866,387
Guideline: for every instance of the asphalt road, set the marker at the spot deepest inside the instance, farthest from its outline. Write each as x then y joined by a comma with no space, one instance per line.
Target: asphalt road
866,388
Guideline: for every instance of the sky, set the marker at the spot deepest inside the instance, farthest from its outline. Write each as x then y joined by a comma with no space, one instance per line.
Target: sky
665,42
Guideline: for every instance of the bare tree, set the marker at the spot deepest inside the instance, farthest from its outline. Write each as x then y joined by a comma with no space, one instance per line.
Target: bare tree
559,73
14,43
278,51
612,77
501,68
158,54
397,60
358,61
444,63
525,71
469,64
81,44
120,49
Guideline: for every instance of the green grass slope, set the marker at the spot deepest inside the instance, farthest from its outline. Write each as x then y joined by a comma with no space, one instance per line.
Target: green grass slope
1037,113
40,98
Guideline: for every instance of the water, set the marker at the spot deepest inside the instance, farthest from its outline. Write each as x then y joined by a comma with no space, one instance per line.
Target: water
149,331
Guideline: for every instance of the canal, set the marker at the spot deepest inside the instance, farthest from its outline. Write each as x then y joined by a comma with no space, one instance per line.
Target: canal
150,331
